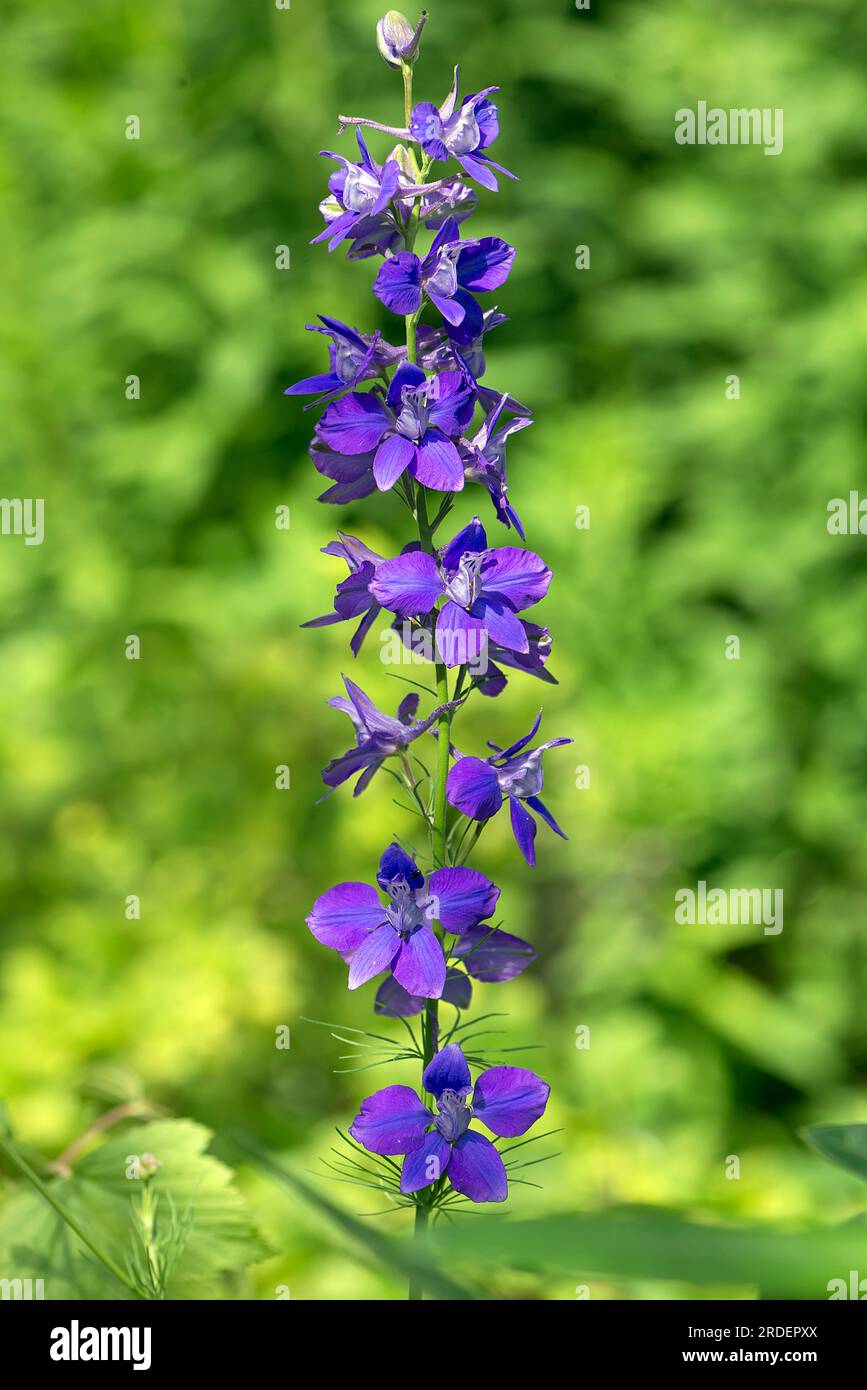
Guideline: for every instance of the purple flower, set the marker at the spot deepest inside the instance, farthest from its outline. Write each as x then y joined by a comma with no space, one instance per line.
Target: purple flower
371,938
484,591
353,598
477,787
377,736
507,1101
361,190
412,430
354,357
464,133
484,459
486,953
449,272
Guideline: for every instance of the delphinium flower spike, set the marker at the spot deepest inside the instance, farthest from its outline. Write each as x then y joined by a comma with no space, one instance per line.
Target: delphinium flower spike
413,418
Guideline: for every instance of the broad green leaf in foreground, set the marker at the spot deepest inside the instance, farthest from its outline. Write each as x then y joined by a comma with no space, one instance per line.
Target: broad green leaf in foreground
845,1145
218,1233
649,1243
406,1258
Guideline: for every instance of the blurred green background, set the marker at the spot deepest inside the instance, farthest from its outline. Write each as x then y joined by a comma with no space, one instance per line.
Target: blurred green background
156,257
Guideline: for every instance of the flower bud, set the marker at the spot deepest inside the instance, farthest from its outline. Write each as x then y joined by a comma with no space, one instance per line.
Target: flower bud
148,1165
396,39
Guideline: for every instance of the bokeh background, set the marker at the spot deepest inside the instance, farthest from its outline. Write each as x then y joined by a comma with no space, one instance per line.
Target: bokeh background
156,257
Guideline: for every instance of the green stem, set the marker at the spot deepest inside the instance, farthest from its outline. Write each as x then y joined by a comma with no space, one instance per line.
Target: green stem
148,1218
406,68
425,535
444,730
26,1171
416,1291
430,1017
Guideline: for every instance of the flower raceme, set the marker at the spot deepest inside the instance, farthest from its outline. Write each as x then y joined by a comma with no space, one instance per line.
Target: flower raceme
506,1100
418,421
352,920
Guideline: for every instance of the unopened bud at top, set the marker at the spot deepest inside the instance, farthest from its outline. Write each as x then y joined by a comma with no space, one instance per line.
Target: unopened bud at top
396,39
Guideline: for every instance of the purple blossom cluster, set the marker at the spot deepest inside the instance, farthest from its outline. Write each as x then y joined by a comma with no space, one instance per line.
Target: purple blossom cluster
415,420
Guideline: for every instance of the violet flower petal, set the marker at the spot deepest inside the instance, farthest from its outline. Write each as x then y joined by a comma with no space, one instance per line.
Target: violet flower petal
374,955
391,1121
408,584
542,810
396,863
462,898
473,787
420,964
426,1163
393,457
407,374
354,424
311,385
477,1170
520,743
344,916
493,956
398,283
500,622
485,264
437,463
392,1001
447,1071
524,828
457,990
460,638
508,1100
520,576
471,538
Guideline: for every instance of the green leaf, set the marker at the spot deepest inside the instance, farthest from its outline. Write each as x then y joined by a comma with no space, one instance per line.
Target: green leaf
845,1145
649,1243
36,1243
